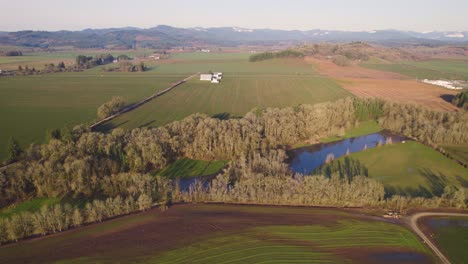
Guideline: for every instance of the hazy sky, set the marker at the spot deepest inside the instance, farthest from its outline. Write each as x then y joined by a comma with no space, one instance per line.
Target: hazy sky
419,15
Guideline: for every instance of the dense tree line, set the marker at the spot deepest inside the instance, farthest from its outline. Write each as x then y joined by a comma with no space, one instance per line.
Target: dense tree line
79,163
430,127
252,182
461,100
127,66
86,62
12,53
248,181
116,104
274,55
58,218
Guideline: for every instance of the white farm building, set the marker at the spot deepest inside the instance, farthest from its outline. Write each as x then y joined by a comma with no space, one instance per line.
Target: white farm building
212,77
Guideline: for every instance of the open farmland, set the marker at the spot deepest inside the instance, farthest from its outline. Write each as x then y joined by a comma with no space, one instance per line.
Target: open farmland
222,234
412,168
245,85
431,69
38,59
31,105
450,234
394,86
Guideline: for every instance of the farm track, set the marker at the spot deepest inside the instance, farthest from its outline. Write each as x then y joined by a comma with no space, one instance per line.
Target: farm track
142,102
413,223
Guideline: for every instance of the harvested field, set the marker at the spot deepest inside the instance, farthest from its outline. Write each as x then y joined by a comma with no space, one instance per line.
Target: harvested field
365,82
221,233
402,91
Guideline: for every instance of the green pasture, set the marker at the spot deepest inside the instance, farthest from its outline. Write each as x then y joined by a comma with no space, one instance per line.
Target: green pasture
364,128
430,69
186,168
412,168
234,96
36,204
31,105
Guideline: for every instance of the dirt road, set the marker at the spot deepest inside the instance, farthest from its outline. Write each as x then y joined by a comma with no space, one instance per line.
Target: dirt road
144,101
413,223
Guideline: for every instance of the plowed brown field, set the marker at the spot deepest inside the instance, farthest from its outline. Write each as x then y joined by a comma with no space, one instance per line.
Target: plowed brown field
196,233
364,82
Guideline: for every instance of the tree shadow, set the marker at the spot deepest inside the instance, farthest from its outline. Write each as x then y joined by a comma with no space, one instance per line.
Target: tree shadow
447,97
419,191
437,181
463,182
108,126
147,124
222,116
436,184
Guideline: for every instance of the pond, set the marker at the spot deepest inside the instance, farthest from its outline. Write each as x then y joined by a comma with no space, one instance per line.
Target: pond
306,159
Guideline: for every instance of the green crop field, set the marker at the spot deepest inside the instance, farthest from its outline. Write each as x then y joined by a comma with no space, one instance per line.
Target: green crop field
364,128
52,101
234,96
432,69
299,244
228,234
412,168
451,236
186,168
31,105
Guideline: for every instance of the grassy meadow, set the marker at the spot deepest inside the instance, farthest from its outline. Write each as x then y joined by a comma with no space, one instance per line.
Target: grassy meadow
430,69
31,105
186,168
364,128
412,168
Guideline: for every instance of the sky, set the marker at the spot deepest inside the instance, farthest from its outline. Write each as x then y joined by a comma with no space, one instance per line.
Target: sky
355,15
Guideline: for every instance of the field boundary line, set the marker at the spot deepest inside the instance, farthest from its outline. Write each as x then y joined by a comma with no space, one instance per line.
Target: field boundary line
142,102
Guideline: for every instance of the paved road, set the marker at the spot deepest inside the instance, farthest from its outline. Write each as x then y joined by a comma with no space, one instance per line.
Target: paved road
413,223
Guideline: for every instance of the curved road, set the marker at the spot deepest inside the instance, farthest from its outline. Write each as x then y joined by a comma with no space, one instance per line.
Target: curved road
413,223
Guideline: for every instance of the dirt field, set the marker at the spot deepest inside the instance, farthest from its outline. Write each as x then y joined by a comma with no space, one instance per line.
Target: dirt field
196,233
365,82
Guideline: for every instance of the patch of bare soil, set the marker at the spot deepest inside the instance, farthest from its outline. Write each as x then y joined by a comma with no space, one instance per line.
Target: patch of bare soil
395,87
402,91
328,68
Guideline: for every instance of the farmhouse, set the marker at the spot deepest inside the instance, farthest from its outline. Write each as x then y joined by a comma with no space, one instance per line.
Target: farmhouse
212,77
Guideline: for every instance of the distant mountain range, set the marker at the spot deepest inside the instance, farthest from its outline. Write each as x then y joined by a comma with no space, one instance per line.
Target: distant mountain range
166,37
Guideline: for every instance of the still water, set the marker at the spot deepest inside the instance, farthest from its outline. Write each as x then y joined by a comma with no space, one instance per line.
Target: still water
305,160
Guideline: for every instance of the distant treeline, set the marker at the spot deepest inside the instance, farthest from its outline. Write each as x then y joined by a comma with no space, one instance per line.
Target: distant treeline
461,100
11,53
82,62
273,55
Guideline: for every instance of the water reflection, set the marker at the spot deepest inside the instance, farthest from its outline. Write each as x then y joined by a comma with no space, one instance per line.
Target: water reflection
305,160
